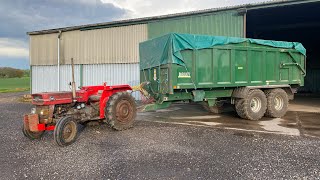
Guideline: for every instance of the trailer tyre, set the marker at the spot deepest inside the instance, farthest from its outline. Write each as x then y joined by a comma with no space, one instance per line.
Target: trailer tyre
253,106
31,135
121,111
278,103
65,131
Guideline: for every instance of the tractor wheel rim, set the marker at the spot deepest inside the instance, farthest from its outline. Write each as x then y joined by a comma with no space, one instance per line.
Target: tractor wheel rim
124,111
69,131
278,103
255,104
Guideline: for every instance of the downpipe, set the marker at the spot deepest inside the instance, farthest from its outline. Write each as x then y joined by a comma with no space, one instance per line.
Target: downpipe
59,36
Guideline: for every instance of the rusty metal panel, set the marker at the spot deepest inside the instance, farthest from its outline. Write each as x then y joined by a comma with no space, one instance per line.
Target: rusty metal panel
227,23
43,49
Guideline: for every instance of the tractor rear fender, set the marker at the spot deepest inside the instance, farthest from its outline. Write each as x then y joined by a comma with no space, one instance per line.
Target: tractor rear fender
109,92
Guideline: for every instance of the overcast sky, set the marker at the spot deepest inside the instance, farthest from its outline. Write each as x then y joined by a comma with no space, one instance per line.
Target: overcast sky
20,16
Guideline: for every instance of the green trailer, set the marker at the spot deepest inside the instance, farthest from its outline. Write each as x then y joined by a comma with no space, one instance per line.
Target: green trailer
258,77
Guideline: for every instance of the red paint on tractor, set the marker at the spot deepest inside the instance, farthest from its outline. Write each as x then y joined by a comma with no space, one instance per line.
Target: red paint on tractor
65,97
89,103
43,127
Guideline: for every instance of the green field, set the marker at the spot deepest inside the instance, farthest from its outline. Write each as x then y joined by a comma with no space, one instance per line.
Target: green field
14,84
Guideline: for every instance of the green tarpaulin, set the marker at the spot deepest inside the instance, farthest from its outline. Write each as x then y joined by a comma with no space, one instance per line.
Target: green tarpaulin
167,49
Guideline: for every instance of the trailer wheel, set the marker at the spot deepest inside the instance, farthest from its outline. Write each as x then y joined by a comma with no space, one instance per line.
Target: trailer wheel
253,106
65,131
31,135
278,103
121,111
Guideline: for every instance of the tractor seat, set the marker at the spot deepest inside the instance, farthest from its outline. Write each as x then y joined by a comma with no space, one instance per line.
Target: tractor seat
94,98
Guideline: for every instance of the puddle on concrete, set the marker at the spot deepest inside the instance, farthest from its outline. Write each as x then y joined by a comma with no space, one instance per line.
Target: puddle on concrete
196,117
274,125
307,124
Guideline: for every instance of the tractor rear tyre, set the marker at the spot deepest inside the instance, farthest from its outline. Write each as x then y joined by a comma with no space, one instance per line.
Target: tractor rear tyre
278,103
65,131
120,111
253,106
31,135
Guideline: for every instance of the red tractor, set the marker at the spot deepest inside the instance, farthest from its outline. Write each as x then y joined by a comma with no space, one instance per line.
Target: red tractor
62,111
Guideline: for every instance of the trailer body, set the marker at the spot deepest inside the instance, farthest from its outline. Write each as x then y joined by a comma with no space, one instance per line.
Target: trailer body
205,68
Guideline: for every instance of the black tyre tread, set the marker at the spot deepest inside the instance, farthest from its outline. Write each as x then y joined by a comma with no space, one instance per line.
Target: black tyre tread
271,112
57,133
242,106
110,116
31,135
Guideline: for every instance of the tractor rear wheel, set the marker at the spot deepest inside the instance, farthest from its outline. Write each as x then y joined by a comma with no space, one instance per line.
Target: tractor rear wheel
120,111
65,131
31,135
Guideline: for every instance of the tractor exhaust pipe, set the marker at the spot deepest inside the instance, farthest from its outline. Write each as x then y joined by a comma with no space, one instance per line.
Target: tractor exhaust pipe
73,83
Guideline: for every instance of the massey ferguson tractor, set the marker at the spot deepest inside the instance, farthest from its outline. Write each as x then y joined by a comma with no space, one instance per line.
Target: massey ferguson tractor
61,112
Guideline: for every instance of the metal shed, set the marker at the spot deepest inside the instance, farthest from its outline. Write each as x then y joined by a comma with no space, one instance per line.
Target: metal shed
108,52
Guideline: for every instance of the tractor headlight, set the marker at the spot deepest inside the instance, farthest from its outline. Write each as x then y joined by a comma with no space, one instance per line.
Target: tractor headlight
33,110
44,112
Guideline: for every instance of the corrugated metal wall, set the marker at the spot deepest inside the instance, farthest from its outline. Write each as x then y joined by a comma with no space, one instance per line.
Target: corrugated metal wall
99,46
44,78
311,81
228,23
113,74
43,49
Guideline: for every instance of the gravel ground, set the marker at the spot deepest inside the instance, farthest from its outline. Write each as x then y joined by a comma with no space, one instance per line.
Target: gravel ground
152,151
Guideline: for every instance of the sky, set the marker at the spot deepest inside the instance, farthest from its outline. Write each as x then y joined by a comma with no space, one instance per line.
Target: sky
20,16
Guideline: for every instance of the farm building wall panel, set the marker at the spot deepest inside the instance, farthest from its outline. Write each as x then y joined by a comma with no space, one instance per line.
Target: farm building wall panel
98,46
228,23
45,78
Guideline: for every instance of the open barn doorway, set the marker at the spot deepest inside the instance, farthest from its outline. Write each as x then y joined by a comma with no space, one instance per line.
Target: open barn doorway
299,23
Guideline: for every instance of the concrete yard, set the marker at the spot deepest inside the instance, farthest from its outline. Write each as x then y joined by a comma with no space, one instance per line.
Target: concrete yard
181,142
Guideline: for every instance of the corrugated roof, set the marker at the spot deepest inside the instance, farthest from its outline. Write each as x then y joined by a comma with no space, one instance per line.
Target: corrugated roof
190,13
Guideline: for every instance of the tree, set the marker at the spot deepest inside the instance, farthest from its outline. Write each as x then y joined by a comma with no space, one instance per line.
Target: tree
7,72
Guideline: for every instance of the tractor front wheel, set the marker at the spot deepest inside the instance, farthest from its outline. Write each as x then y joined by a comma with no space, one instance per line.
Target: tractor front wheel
31,135
65,131
121,111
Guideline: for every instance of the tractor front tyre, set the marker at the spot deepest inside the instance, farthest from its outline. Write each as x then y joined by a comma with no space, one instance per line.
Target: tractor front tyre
65,131
31,135
120,111
253,106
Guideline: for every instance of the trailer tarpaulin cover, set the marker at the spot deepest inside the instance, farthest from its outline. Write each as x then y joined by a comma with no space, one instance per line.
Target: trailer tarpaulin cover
167,49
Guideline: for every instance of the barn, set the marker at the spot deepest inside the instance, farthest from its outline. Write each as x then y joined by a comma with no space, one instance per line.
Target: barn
108,52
